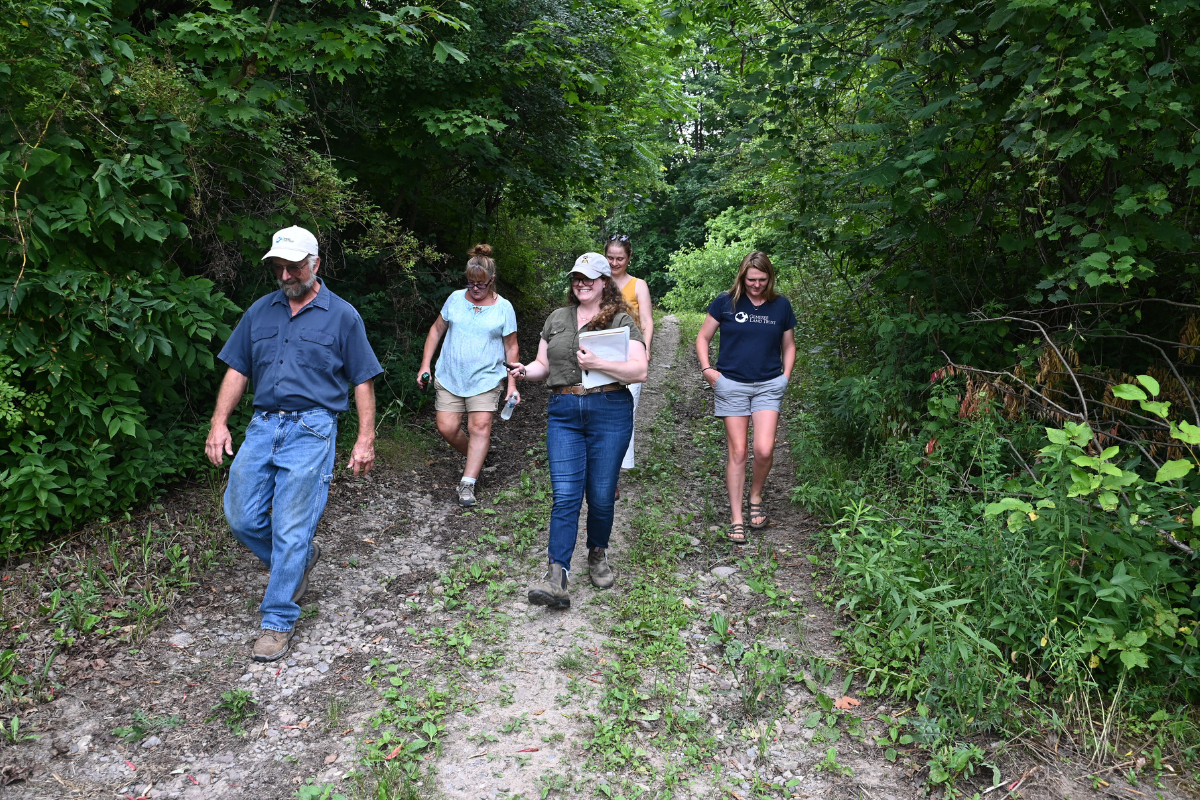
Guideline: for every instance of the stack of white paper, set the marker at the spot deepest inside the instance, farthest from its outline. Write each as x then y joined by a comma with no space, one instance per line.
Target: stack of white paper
610,345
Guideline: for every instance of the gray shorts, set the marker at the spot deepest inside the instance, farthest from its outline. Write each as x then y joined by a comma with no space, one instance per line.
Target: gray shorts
735,399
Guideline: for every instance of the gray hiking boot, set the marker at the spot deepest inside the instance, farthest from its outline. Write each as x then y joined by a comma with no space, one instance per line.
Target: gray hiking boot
466,494
598,569
272,645
551,590
302,589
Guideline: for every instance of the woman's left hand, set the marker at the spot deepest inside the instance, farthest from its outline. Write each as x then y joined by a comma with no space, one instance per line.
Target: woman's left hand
587,359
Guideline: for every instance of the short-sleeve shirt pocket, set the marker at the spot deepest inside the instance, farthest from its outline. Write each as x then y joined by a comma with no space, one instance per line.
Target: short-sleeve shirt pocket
316,349
263,342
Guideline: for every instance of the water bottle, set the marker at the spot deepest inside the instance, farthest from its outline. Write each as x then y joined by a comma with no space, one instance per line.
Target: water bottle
506,413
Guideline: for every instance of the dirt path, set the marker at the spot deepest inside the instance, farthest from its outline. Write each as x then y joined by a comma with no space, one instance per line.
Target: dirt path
418,666
546,653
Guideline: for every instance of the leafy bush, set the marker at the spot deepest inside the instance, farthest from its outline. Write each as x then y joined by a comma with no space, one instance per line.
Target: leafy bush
1074,577
702,273
102,342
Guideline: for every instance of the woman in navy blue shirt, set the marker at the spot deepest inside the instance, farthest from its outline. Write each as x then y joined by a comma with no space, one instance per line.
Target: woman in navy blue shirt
757,353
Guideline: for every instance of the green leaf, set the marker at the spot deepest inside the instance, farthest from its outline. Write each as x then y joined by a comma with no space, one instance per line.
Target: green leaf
1007,504
1173,470
1186,432
441,50
1160,408
1134,658
1056,436
1127,391
37,158
1150,384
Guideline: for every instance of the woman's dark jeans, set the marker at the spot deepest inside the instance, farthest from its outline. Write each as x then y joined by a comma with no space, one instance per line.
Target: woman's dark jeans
586,439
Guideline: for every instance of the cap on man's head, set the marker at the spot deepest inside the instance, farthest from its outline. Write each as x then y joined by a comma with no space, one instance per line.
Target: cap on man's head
592,265
292,244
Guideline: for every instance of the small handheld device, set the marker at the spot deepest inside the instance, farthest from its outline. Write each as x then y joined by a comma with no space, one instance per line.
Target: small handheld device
425,378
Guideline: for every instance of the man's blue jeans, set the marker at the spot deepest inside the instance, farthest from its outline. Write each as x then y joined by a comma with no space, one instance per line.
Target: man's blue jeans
278,486
586,438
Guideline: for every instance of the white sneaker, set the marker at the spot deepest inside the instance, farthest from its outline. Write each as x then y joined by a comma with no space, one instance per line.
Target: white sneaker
466,494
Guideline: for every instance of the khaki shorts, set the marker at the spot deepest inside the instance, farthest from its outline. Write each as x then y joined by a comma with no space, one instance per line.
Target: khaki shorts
488,401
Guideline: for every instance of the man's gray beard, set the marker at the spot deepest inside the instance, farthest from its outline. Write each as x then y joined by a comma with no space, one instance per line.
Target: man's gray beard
297,290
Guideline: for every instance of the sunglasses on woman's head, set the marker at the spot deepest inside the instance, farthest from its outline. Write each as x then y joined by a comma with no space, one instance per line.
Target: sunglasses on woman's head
618,237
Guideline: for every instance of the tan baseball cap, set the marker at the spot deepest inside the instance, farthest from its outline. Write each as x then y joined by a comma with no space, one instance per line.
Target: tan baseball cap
592,265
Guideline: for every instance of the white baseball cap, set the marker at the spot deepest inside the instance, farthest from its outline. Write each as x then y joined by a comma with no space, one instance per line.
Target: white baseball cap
292,244
592,265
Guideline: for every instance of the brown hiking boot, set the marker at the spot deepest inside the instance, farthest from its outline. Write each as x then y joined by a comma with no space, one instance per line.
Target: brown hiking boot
312,562
271,645
598,569
551,590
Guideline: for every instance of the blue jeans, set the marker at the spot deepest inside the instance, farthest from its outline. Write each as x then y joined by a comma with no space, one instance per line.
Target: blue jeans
585,440
278,486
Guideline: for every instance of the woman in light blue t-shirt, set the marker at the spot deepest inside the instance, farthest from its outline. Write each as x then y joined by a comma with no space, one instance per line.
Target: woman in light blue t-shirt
480,328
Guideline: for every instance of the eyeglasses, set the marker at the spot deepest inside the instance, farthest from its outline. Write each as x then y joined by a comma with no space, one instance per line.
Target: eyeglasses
618,237
582,281
484,285
294,269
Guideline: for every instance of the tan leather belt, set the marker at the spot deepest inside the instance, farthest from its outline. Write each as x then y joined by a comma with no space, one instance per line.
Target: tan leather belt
578,389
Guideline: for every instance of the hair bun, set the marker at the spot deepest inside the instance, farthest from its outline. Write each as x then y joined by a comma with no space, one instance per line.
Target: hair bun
481,250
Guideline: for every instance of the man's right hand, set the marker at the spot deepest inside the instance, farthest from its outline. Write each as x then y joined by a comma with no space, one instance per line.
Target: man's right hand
219,444
421,376
712,376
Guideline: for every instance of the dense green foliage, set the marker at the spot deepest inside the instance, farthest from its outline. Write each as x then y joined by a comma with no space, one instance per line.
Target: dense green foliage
148,150
985,217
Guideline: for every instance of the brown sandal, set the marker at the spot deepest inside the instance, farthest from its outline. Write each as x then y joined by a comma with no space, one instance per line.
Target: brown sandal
737,530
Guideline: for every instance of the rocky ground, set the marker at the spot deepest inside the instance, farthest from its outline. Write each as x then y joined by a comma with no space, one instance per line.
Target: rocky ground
419,670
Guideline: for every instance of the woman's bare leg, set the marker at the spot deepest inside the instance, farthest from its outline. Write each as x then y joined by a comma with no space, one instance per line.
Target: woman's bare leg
479,423
765,425
449,425
737,439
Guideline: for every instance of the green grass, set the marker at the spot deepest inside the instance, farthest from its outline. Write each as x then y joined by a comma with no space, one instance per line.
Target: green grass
143,725
109,588
234,708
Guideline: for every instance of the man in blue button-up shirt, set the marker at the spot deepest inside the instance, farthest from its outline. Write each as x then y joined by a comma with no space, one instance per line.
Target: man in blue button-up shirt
303,347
